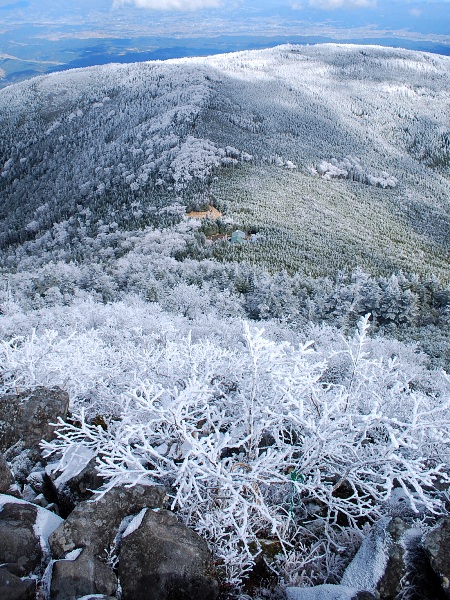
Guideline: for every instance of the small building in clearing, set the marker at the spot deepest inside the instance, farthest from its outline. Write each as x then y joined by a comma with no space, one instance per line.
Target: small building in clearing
238,236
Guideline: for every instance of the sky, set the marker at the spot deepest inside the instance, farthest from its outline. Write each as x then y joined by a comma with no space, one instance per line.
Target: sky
422,16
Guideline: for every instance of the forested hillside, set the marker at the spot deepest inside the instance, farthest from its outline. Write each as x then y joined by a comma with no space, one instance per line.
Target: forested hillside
338,156
334,162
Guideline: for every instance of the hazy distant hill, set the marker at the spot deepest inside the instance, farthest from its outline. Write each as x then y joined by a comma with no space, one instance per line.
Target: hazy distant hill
338,155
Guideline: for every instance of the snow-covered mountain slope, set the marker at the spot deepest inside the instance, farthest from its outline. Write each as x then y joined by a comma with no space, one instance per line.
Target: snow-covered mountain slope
333,157
337,155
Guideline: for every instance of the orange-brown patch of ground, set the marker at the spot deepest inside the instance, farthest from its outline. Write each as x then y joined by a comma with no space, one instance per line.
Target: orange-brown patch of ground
212,213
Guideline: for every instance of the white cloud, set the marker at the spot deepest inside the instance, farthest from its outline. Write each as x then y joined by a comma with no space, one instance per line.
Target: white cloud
333,4
415,12
8,3
170,4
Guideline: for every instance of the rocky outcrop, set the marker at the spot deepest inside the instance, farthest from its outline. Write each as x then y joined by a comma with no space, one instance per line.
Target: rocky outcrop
122,543
88,543
123,540
22,461
20,549
25,417
124,536
437,546
94,525
24,531
152,549
122,531
160,554
379,566
391,563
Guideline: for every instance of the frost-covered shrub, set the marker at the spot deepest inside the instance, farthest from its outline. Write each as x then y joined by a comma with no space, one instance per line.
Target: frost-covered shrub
351,168
257,445
196,159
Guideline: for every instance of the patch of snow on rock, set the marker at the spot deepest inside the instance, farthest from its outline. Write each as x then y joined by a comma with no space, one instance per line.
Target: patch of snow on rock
135,523
369,564
72,463
5,499
73,554
46,523
321,592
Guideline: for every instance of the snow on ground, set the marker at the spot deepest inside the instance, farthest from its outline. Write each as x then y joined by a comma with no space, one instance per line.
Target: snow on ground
321,592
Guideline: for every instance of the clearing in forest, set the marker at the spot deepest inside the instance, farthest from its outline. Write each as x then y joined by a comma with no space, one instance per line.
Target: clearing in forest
210,213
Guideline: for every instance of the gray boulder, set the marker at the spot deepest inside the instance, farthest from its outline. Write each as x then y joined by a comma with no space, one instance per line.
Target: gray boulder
24,531
6,477
162,559
437,546
81,576
20,550
94,524
26,416
14,588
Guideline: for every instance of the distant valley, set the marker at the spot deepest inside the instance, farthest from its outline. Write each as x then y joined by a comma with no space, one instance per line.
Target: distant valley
85,49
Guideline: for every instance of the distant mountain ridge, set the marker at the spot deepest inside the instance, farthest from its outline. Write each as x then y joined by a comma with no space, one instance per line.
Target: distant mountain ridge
337,155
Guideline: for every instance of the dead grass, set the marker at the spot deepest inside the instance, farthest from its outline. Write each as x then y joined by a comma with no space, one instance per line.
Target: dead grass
212,213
